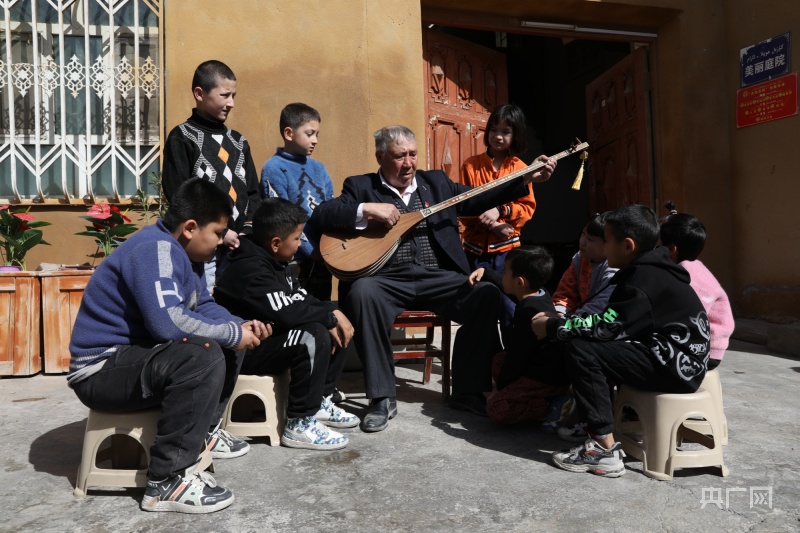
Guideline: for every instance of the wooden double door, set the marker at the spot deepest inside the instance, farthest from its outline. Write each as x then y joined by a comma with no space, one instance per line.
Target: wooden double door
619,135
465,81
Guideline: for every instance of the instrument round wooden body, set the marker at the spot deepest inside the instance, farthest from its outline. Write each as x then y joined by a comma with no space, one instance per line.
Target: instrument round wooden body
350,256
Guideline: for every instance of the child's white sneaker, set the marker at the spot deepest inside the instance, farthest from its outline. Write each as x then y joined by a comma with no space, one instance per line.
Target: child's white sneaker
335,417
311,434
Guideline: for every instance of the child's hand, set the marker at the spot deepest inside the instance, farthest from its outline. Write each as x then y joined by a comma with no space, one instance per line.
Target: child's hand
249,339
539,325
342,332
259,329
475,277
503,230
489,217
231,240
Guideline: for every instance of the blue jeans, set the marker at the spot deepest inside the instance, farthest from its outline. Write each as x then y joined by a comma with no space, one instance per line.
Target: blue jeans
191,382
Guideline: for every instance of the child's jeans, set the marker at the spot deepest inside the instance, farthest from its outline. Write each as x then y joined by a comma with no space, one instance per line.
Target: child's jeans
191,382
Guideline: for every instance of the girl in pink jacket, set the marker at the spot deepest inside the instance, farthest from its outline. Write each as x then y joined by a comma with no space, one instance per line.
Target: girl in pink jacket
685,236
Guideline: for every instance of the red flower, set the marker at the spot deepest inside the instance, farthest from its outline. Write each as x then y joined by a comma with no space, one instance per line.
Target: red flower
101,211
4,207
116,210
24,216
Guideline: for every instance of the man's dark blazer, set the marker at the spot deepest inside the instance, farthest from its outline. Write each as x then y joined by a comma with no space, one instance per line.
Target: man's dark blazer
339,214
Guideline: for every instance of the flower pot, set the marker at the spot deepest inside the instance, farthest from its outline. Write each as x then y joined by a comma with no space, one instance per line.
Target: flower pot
62,292
20,333
10,268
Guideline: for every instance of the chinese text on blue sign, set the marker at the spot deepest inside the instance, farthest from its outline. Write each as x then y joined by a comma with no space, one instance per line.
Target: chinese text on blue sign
765,60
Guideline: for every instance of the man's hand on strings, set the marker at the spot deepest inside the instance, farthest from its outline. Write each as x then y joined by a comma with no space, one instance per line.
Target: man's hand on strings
544,173
384,213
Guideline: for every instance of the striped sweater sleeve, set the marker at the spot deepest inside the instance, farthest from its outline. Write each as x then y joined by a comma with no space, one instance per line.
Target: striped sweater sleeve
170,294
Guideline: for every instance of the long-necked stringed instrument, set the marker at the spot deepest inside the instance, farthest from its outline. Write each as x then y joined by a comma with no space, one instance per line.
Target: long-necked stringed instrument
363,253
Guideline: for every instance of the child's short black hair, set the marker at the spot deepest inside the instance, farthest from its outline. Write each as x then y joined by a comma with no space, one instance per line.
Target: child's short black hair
533,263
208,73
637,222
685,232
515,119
199,200
296,114
595,225
277,217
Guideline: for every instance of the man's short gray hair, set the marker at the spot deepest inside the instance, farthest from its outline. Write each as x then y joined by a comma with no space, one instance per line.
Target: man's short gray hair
390,134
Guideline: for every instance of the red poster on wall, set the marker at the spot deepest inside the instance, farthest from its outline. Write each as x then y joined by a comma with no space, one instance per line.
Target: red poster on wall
767,101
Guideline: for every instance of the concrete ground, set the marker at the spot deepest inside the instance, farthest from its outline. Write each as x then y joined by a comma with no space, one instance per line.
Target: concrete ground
433,469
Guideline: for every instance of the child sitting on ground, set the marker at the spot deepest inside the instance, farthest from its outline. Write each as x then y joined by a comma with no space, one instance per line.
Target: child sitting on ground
653,335
148,335
292,174
260,282
584,287
530,375
685,236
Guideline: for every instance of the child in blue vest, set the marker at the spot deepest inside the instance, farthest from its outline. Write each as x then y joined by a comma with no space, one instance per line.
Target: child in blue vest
292,174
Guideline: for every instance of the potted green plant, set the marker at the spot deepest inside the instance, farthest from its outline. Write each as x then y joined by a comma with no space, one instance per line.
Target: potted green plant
109,228
19,232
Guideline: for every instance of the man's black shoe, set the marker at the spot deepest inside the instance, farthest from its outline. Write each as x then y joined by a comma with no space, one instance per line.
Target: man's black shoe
380,411
474,403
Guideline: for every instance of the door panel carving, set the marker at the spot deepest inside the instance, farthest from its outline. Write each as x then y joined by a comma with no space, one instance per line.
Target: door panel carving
466,82
618,125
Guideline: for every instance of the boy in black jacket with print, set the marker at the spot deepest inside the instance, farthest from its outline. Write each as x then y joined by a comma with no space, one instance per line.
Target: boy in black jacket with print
307,332
653,335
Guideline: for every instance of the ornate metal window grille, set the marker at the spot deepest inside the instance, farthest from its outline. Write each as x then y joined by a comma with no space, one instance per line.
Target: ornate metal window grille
81,99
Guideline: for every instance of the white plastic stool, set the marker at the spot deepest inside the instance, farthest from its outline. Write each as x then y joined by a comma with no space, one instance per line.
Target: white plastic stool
130,434
272,393
662,429
712,384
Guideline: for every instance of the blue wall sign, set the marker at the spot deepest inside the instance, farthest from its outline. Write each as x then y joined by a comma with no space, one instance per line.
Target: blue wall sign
765,60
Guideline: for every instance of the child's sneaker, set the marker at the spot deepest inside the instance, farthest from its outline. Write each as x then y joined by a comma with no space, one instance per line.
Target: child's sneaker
190,492
576,433
338,396
335,417
223,445
311,434
557,409
591,457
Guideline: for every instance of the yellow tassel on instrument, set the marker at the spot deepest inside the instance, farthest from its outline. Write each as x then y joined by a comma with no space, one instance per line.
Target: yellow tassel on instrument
576,185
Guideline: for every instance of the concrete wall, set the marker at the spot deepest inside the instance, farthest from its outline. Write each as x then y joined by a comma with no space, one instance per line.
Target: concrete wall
766,188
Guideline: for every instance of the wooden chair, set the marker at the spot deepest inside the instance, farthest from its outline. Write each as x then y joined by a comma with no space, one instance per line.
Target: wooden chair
429,321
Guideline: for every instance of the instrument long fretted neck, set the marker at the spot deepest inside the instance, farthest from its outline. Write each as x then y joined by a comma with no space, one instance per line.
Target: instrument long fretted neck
364,252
